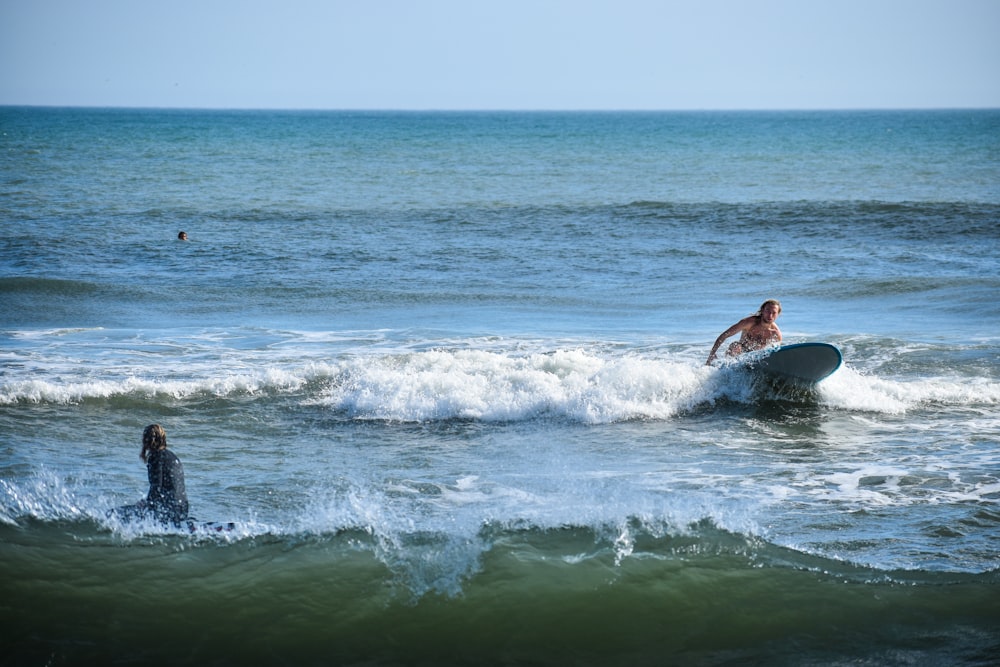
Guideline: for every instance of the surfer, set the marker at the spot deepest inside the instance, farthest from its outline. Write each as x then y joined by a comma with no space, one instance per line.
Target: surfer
166,501
758,331
182,236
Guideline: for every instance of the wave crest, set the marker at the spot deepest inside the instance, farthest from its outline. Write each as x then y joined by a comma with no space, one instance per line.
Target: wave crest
586,385
493,386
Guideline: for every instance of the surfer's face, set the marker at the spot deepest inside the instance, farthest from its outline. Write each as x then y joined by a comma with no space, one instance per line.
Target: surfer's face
769,313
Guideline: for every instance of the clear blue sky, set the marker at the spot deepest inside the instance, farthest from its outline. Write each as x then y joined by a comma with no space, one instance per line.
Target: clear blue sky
501,54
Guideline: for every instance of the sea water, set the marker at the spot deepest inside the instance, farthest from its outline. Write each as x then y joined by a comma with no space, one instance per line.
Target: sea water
445,374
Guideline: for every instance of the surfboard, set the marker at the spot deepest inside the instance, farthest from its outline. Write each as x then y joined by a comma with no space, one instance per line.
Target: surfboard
803,363
194,526
134,513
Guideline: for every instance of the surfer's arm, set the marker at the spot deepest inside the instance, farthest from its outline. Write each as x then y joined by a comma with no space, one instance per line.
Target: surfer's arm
731,331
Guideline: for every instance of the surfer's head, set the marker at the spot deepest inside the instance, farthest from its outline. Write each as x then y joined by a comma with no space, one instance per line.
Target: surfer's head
153,438
770,304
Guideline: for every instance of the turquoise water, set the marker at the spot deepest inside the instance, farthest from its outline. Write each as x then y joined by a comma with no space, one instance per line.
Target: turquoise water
445,374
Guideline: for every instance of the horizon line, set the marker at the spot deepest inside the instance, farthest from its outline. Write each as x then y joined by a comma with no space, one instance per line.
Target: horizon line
360,109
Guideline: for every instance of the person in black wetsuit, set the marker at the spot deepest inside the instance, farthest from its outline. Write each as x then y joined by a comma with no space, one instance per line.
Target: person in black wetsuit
167,500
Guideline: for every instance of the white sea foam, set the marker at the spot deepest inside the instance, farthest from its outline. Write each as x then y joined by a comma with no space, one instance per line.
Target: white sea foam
847,389
507,381
491,386
60,391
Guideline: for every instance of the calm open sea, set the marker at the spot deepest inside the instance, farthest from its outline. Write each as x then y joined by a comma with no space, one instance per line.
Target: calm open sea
445,374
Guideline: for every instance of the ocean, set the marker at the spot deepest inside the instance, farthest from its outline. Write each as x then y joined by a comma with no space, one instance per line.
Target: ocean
444,373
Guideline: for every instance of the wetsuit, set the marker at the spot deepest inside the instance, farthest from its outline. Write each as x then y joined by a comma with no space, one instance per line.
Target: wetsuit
167,499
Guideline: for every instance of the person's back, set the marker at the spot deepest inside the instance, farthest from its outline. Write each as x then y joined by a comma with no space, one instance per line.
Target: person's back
167,498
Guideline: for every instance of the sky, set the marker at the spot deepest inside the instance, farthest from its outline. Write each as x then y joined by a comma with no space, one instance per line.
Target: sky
501,54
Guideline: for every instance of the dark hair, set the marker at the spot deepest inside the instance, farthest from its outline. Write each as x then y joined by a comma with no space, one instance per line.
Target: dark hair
153,438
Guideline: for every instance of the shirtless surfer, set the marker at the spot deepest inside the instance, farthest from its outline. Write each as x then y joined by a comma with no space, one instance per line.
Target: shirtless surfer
758,331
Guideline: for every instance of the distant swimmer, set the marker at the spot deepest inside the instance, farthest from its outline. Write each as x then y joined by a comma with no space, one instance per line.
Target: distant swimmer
167,500
182,236
758,331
